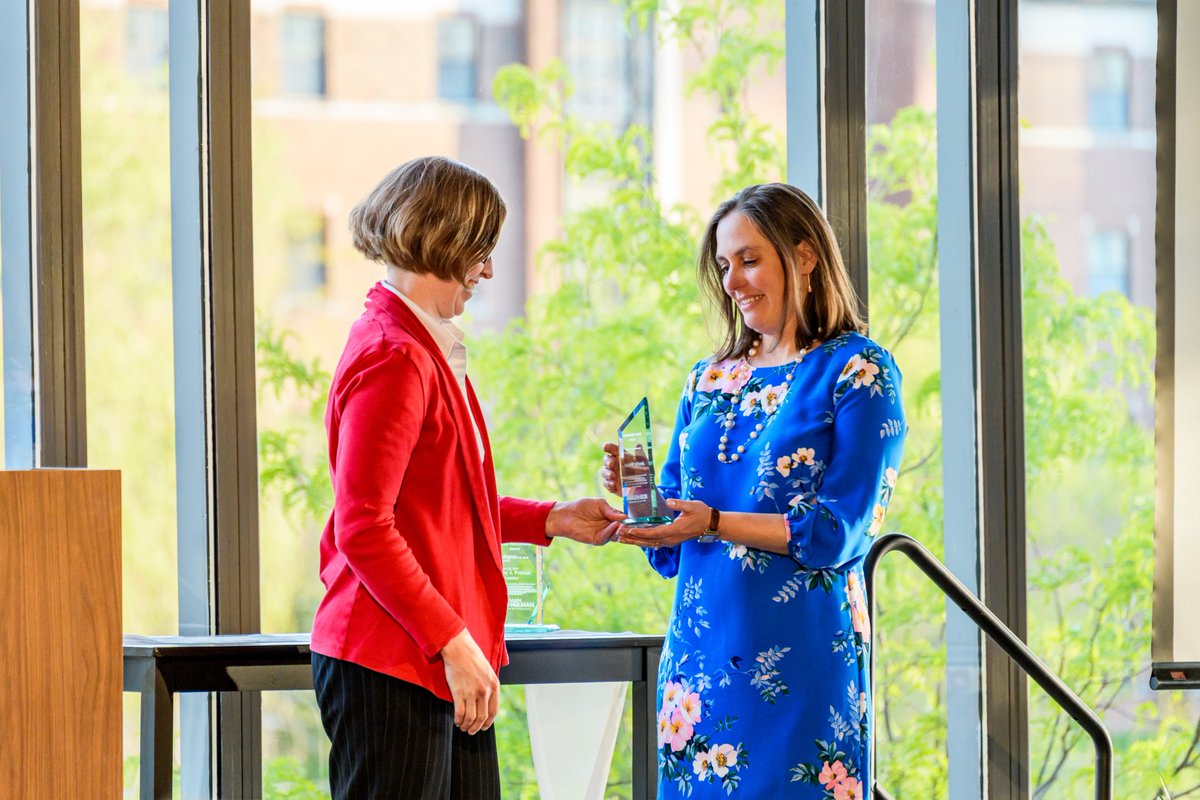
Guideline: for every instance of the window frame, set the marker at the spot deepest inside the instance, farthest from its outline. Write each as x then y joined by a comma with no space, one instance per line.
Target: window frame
209,46
216,447
46,424
981,293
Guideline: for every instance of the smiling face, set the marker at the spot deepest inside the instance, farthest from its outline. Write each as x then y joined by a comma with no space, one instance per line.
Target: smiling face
752,274
425,221
769,264
481,271
444,298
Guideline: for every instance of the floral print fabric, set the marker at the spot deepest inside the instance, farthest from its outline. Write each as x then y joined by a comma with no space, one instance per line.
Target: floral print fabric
763,681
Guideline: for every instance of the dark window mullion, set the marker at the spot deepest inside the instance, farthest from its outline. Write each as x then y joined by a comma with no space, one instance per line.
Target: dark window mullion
57,234
1166,87
1001,388
826,119
235,442
845,116
216,439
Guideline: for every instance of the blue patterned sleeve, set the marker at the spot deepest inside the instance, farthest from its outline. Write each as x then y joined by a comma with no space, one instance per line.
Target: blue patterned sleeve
665,560
837,523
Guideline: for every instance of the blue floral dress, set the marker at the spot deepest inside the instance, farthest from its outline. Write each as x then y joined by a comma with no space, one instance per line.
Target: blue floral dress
763,684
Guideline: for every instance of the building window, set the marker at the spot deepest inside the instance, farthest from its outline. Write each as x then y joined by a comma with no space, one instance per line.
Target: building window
1108,262
306,255
610,63
302,59
457,56
1109,74
146,43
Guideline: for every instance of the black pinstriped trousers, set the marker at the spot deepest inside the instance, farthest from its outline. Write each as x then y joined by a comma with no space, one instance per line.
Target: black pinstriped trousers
394,740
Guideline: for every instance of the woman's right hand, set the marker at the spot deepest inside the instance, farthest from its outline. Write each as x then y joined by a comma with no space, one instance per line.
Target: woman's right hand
633,464
610,472
473,684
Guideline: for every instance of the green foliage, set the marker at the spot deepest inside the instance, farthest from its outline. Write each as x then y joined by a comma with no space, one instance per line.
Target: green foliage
131,778
909,631
127,296
285,779
130,360
291,460
1089,470
735,41
621,319
624,312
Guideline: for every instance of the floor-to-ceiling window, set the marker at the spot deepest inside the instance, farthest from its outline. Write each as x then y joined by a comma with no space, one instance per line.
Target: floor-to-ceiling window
127,295
1087,155
336,106
903,258
127,264
612,140
628,145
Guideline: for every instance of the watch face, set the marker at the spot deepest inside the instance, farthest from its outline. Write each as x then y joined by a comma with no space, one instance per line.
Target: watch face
707,537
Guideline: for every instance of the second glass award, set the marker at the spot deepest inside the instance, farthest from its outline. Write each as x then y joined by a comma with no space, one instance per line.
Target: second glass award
524,574
644,506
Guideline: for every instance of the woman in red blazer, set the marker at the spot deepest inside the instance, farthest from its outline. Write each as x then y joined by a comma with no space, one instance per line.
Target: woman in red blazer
409,637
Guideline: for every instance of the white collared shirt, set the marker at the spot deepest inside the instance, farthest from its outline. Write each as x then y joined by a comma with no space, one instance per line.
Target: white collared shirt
451,340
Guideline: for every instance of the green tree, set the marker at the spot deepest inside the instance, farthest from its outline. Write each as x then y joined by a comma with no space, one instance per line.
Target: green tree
130,361
1089,467
624,319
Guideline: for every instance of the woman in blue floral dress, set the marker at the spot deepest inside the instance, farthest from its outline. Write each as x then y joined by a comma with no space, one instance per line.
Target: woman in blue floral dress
784,458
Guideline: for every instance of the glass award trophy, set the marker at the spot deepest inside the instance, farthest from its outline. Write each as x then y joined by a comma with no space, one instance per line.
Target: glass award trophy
526,588
639,488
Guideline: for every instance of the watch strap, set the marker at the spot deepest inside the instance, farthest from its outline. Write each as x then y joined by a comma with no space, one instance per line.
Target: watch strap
710,534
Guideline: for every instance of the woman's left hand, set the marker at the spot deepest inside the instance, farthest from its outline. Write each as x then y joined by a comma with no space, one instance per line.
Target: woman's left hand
692,521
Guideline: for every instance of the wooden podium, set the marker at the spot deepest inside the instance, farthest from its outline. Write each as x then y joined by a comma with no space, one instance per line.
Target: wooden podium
60,633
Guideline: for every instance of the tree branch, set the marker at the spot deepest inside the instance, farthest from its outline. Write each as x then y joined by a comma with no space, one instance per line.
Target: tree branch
1189,759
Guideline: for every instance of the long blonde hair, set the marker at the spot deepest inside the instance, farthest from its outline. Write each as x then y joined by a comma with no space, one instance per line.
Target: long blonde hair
787,217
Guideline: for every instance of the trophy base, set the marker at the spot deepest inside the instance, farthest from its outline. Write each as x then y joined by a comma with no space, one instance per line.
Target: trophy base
515,627
645,522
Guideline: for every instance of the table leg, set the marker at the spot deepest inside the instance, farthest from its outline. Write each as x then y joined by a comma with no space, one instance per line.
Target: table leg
645,734
158,722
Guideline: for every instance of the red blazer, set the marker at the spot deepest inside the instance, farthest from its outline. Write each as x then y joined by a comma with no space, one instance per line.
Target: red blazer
411,554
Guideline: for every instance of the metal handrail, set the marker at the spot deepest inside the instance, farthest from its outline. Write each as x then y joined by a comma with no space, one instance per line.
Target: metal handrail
1004,638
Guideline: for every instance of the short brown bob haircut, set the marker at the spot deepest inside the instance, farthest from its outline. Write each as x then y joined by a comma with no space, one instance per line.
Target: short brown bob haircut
786,216
431,215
